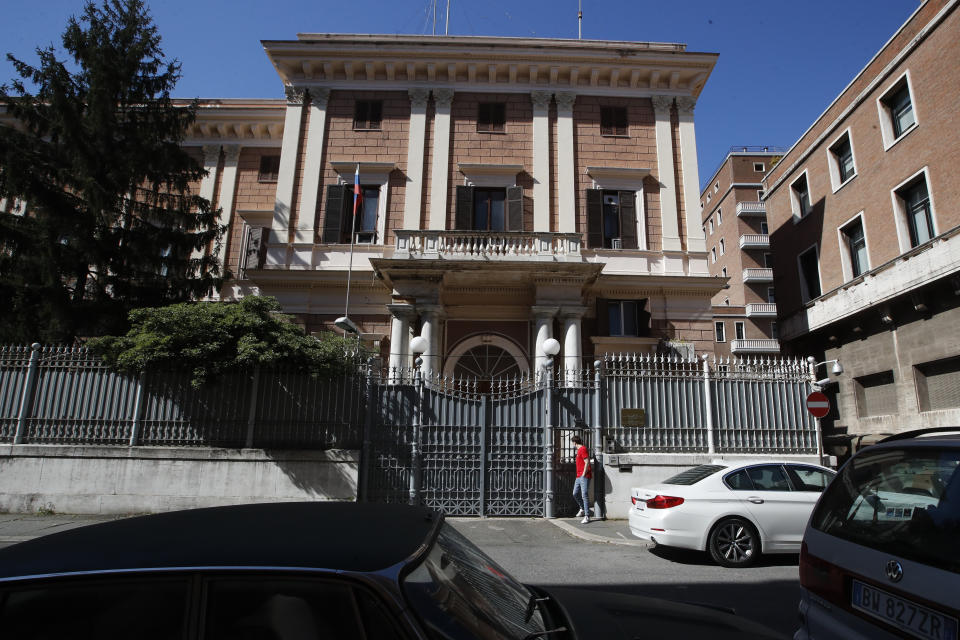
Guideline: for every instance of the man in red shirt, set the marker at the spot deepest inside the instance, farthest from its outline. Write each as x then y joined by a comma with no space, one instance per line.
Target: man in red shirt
581,486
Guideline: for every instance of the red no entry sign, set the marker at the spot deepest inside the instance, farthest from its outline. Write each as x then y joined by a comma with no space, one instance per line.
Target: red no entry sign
818,404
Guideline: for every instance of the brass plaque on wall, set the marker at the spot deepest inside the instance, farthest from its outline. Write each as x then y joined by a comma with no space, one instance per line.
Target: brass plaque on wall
633,417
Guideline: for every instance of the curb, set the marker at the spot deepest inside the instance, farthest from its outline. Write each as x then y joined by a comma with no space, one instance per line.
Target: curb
15,539
577,532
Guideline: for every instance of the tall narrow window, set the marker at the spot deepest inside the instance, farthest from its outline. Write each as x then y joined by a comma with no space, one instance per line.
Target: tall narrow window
367,114
764,228
800,193
491,117
719,330
774,331
740,330
366,223
768,260
842,153
901,110
611,219
269,169
856,247
613,121
809,267
771,295
711,226
488,209
719,217
916,204
722,246
713,255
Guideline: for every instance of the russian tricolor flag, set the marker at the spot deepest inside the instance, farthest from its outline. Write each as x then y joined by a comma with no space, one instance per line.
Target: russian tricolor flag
357,193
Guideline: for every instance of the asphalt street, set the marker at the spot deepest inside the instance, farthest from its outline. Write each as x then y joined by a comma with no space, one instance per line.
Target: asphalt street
540,553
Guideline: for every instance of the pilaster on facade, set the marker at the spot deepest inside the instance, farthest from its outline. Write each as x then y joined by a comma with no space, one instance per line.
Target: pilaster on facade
566,171
208,185
691,174
231,158
541,159
669,213
305,233
286,179
443,99
416,142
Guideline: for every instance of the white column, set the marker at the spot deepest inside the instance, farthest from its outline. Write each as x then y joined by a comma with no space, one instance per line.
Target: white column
566,174
211,162
430,317
416,140
305,233
691,175
665,173
3,205
442,99
280,229
543,317
541,160
571,342
400,336
228,188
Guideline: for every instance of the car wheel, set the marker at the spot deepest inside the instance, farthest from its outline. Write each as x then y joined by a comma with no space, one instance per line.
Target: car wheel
734,543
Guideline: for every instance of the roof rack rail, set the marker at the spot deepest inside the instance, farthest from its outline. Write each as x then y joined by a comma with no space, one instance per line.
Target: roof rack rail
906,435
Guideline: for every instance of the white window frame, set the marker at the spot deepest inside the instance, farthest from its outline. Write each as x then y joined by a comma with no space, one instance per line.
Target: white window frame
711,226
760,194
721,335
723,272
762,168
900,210
719,217
740,327
886,118
381,180
846,261
722,246
804,289
795,208
834,165
708,198
716,187
713,255
608,183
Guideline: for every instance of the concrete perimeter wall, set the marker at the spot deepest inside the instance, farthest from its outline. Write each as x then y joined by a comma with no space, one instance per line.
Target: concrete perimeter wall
624,471
123,480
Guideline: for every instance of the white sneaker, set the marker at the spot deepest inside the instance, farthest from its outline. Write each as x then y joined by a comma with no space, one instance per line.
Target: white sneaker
585,520
580,513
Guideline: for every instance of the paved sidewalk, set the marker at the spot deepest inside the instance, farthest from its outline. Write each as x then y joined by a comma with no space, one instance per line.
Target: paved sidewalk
18,527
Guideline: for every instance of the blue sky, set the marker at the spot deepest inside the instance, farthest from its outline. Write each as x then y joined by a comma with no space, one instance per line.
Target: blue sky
781,63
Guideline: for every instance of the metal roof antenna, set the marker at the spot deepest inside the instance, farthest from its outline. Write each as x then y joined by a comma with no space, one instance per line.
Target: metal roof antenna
579,19
446,30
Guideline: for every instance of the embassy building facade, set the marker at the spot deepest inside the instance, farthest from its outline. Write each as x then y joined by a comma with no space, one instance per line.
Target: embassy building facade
514,190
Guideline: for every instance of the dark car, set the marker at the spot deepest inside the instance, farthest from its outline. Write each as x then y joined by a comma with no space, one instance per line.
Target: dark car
299,571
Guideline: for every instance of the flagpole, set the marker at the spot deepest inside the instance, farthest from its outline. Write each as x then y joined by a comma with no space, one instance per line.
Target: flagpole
353,226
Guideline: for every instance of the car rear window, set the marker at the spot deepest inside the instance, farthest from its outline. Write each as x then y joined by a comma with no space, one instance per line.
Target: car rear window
905,502
694,475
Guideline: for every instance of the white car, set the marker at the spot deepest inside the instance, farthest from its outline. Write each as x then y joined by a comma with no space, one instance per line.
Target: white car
736,511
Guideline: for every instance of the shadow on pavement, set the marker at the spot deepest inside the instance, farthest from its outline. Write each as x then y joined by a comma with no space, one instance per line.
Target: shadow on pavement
702,558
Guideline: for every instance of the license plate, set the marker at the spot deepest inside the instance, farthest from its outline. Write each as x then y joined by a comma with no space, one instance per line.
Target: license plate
902,613
640,504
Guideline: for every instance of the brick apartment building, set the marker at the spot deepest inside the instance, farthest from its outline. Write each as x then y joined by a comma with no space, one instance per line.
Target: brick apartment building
738,244
864,216
513,190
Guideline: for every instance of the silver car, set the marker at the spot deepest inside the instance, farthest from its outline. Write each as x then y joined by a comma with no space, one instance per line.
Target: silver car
881,554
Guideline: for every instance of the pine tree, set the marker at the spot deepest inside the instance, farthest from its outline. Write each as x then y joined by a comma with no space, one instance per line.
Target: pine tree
93,147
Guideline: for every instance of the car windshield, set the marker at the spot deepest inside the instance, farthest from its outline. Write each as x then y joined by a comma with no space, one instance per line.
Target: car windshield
900,501
459,592
694,475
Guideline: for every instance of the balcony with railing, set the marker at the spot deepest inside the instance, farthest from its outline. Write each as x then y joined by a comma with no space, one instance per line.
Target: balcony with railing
758,275
755,241
758,345
762,310
486,245
751,209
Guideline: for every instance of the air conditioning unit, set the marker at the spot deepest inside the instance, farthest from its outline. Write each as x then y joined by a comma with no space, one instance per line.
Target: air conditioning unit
615,243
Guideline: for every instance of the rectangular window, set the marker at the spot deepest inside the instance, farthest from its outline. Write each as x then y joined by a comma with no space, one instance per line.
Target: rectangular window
723,272
713,255
718,329
740,330
758,167
915,200
366,223
876,394
901,109
367,114
612,219
841,161
613,121
809,266
938,384
774,331
800,193
764,228
771,295
491,117
622,315
716,187
856,247
719,218
711,226
768,260
269,169
722,246
760,194
489,211
339,221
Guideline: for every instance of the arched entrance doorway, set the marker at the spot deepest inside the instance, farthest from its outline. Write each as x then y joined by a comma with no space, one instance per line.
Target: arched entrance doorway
486,357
